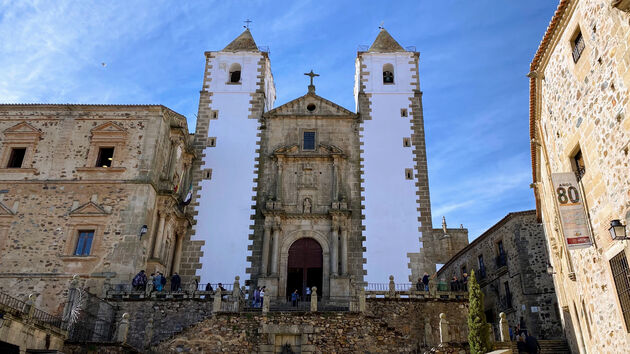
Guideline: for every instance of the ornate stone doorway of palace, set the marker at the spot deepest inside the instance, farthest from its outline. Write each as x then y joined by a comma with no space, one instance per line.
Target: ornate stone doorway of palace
304,267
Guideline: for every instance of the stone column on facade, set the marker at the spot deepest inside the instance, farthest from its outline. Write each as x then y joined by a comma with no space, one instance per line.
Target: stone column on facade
159,236
279,181
275,251
392,286
335,182
334,261
265,250
178,253
344,250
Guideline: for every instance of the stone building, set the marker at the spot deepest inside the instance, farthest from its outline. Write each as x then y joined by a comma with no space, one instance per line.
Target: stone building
579,129
94,190
510,264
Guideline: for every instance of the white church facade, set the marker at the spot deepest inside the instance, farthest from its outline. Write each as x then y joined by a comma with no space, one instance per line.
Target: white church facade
317,190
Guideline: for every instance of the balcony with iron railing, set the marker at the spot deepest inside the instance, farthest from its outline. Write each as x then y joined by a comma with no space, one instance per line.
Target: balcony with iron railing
20,309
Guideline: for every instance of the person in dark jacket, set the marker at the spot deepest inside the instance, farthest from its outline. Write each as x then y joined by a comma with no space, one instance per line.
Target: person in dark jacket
176,282
531,345
425,281
139,282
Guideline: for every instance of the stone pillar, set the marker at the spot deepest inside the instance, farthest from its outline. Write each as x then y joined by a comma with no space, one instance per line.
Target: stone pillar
159,237
30,305
178,252
334,261
279,182
265,250
344,250
443,329
314,299
335,182
123,329
216,303
428,333
266,302
504,328
392,286
236,290
275,250
361,299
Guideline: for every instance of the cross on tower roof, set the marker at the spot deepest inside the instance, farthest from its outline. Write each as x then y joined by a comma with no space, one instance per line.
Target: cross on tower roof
311,87
247,22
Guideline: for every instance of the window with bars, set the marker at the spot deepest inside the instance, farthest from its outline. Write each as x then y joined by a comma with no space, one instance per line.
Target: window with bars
308,141
578,46
621,276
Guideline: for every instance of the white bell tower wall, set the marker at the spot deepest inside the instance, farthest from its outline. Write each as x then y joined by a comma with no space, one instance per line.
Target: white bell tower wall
393,180
227,140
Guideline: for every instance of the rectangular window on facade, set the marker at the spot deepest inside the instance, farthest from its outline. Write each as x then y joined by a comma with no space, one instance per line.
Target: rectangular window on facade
408,173
621,276
16,158
578,165
406,142
212,142
84,243
403,112
482,267
578,46
105,157
308,141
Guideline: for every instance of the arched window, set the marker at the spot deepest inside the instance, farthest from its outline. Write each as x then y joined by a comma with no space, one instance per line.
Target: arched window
388,74
235,73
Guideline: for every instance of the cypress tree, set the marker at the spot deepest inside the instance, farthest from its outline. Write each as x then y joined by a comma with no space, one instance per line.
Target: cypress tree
478,328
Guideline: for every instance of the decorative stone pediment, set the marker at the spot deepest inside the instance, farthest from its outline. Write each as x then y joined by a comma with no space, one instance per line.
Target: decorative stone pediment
322,150
310,105
22,132
109,131
89,209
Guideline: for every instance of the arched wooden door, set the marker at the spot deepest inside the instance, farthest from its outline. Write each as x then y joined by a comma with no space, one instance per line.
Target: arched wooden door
304,267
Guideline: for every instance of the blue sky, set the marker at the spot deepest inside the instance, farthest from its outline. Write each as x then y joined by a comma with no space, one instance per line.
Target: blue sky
474,58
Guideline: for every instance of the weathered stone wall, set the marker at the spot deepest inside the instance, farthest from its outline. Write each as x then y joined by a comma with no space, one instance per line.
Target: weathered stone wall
584,106
27,333
388,325
58,192
530,286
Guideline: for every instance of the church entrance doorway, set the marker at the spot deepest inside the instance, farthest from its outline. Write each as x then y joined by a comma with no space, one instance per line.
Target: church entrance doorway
304,267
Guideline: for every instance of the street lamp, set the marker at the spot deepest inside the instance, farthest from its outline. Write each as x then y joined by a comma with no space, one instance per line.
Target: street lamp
617,230
143,230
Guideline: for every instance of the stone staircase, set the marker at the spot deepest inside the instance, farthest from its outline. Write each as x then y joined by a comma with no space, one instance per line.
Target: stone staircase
547,346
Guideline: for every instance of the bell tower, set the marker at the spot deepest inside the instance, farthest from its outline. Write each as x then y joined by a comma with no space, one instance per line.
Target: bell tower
395,175
237,88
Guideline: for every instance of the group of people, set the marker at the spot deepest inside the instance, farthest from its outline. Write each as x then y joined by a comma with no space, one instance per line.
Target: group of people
459,284
525,342
158,280
259,295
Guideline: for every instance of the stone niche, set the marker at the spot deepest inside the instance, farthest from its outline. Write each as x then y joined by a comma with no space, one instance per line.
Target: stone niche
286,338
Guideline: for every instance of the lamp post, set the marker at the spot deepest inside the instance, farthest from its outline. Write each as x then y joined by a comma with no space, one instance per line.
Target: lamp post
617,230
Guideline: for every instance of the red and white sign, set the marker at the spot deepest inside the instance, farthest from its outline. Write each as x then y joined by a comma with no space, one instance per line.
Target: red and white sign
571,208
